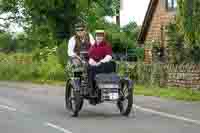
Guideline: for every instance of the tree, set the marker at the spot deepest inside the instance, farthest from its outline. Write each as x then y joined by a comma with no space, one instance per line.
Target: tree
59,15
6,42
49,22
188,20
178,52
122,38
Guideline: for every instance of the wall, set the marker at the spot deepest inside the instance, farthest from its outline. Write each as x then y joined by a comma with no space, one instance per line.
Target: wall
186,76
161,17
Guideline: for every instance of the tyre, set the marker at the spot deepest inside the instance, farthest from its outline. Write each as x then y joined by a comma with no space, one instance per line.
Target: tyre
73,100
125,102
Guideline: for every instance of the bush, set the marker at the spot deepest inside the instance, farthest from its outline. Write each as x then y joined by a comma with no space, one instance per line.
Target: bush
11,70
48,69
120,38
136,54
62,54
40,55
179,52
7,43
51,69
146,74
140,54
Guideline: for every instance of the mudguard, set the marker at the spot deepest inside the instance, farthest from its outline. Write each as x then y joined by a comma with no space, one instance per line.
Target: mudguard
76,83
128,81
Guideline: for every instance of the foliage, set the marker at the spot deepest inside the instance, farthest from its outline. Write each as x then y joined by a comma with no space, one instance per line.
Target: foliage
179,52
7,43
49,22
19,71
131,31
139,54
122,38
43,71
51,69
188,20
21,43
40,55
59,16
142,73
62,53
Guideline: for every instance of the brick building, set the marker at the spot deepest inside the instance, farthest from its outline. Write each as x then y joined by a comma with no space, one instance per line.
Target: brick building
158,15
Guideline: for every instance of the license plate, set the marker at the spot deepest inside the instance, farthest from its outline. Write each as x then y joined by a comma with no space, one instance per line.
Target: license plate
114,96
108,86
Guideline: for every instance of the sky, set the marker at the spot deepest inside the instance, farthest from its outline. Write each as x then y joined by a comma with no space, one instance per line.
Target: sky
133,10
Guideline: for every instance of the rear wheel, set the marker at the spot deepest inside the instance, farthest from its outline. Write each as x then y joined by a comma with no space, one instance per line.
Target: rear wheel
73,100
126,100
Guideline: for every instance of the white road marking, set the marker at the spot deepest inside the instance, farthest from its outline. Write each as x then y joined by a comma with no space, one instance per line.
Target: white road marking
2,111
168,115
57,127
8,108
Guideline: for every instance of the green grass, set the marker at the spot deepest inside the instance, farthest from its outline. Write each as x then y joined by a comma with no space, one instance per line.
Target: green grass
49,70
50,82
168,92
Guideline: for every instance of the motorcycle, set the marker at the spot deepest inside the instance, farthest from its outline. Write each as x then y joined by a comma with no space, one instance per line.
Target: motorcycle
109,87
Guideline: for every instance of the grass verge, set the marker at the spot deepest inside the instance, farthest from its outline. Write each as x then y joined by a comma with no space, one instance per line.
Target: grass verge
50,82
168,92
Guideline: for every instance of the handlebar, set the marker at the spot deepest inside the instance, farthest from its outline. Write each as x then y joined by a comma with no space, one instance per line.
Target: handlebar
82,62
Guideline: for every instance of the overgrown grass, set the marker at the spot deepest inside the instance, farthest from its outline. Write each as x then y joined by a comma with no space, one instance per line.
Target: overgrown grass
47,70
49,82
168,92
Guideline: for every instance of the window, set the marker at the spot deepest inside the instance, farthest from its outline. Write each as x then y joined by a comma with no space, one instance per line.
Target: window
171,4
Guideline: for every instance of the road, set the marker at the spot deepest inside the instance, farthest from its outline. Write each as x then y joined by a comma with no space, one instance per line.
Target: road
30,108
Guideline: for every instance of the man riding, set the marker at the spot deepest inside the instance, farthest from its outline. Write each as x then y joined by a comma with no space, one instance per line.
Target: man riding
81,41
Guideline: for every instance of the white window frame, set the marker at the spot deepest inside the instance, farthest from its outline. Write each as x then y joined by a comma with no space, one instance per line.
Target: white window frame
171,5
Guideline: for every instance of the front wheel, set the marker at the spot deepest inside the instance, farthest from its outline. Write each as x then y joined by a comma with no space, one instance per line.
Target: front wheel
73,100
126,100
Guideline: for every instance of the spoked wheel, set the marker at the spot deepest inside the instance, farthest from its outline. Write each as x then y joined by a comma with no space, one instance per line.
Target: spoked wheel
126,101
73,100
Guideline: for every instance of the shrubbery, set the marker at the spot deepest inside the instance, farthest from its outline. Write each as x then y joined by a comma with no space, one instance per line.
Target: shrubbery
146,74
62,53
51,69
179,50
48,69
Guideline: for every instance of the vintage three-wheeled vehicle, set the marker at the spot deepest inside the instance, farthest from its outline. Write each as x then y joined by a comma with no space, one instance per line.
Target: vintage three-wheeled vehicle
109,87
